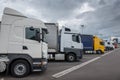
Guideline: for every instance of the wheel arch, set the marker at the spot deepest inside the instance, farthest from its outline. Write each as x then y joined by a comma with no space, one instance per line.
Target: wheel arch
71,53
15,57
10,64
77,52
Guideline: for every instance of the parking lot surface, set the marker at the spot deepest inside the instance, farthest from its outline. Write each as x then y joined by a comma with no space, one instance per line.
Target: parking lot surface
91,67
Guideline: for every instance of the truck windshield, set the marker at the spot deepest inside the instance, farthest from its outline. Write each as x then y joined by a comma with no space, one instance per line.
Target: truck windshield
44,33
101,43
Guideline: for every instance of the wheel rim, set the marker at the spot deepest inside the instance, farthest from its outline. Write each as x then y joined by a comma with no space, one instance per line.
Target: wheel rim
99,52
20,69
71,58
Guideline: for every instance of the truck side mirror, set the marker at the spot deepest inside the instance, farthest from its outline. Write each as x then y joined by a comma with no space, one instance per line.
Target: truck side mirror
78,39
31,28
38,35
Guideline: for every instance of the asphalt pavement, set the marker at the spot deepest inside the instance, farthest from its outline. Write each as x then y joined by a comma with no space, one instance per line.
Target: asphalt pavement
91,67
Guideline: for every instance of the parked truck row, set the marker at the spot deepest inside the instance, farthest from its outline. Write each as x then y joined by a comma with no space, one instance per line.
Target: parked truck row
110,45
26,44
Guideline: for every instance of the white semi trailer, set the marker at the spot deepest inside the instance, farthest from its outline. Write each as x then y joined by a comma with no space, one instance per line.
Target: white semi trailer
64,44
23,48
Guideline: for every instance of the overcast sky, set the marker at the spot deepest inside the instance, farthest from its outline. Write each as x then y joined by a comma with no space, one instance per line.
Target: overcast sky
100,17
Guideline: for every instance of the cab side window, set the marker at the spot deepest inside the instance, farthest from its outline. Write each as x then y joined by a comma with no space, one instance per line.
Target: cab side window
31,33
75,38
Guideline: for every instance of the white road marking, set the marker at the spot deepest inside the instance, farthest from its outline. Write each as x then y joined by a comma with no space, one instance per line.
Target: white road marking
108,52
62,73
2,79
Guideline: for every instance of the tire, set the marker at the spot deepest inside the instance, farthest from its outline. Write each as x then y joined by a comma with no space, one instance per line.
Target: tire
20,68
99,52
70,57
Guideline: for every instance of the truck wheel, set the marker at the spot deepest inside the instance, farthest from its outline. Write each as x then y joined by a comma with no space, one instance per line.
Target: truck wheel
99,52
20,68
70,57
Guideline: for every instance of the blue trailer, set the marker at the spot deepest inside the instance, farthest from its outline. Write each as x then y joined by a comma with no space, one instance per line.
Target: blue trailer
88,42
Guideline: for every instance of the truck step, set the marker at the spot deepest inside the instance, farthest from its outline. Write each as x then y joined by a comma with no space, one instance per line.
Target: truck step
37,70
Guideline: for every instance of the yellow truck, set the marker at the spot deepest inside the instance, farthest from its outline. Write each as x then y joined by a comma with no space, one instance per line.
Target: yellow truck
92,44
98,45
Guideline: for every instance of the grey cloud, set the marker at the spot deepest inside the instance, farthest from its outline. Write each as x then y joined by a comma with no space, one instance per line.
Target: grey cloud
105,19
102,2
57,9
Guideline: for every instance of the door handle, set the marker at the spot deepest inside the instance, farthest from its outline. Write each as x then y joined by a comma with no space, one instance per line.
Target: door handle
25,48
72,46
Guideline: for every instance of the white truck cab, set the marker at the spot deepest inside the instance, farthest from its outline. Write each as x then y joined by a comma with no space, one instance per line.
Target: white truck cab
70,39
64,44
23,46
71,44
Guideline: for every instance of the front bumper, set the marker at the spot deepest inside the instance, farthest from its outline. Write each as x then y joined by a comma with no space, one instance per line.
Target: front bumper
41,65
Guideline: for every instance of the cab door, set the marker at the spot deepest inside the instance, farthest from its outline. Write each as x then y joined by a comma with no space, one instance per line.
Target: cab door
31,45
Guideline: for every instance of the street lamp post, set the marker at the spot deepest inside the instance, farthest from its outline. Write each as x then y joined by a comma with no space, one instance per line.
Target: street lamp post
82,27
